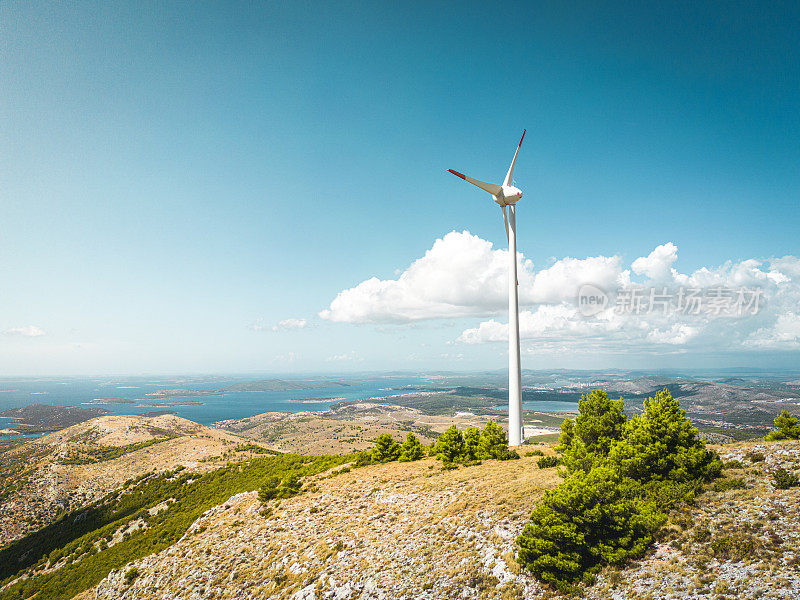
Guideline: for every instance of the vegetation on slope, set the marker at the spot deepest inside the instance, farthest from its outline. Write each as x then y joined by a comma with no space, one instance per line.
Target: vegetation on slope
87,455
474,445
622,476
82,547
788,427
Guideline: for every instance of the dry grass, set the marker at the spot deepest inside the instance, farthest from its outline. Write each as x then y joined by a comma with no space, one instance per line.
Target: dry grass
407,528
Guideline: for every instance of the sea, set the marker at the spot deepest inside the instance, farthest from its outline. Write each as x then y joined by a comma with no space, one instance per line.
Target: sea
20,392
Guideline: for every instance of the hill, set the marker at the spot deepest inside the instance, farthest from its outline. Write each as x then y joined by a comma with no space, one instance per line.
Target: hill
413,531
48,476
162,508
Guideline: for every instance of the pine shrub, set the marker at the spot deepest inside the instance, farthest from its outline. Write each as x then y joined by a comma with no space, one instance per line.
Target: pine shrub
386,449
450,446
783,479
583,524
412,449
547,462
788,427
472,442
622,478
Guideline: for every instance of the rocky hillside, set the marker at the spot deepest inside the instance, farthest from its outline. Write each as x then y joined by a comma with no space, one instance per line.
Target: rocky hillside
415,531
72,467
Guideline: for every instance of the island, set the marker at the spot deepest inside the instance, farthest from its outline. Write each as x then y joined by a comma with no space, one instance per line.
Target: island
44,418
108,401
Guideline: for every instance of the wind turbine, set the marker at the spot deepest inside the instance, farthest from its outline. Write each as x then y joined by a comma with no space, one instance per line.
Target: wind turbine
506,196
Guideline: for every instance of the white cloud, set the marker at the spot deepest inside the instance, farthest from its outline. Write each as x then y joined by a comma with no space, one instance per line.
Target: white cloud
561,281
460,276
349,356
27,331
784,333
676,335
775,325
658,264
464,276
288,358
284,325
290,324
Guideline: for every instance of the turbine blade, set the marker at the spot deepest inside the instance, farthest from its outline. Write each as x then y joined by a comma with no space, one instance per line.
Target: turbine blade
492,188
505,220
510,173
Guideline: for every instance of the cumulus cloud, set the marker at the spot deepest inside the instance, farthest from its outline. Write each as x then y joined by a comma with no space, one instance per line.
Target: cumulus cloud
27,331
464,276
658,264
460,276
284,325
748,304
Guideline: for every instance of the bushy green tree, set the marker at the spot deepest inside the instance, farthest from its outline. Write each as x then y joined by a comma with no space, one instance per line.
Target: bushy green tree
588,440
270,489
622,478
472,442
547,462
788,427
450,446
412,449
662,443
588,521
363,458
386,449
566,436
600,422
290,486
494,443
577,458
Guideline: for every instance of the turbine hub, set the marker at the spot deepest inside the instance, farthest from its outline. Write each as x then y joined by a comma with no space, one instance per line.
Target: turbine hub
508,195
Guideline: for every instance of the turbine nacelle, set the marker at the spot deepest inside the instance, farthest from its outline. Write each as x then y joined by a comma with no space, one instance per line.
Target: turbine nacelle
508,195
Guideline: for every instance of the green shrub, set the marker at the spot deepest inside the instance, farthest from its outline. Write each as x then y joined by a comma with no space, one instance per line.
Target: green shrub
783,479
733,464
788,427
622,478
450,446
363,458
599,425
547,462
586,522
600,422
270,489
472,442
494,443
566,436
755,456
728,484
661,443
736,546
536,452
412,449
701,534
130,575
386,449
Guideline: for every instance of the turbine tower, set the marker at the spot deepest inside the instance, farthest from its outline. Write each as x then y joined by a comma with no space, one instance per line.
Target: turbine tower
506,196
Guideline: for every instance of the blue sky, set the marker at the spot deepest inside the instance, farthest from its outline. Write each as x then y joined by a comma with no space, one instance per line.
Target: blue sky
177,179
